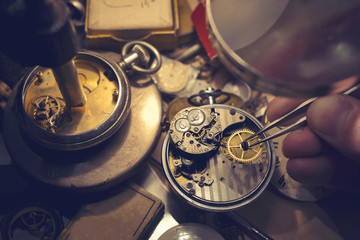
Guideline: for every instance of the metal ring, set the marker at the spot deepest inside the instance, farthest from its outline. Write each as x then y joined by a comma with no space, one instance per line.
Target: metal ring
152,49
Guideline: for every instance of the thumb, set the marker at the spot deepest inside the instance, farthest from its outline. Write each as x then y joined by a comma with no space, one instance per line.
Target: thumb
336,119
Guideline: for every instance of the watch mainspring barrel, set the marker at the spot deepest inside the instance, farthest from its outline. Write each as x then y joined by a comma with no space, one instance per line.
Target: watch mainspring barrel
226,176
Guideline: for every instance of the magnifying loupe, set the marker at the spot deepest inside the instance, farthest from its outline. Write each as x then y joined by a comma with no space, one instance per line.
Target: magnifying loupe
289,48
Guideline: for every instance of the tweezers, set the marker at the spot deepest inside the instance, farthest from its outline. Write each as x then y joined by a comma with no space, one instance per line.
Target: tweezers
290,115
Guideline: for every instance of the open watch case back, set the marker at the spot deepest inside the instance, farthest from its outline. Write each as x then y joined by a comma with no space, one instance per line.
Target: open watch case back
93,147
205,162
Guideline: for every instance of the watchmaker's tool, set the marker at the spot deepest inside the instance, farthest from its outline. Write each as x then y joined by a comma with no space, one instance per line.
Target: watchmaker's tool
254,232
40,32
290,115
204,161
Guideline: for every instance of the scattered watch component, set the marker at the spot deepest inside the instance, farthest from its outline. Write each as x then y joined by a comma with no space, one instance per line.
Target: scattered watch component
175,78
228,176
32,222
48,112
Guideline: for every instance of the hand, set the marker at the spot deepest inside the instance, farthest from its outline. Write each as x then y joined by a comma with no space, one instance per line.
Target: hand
327,151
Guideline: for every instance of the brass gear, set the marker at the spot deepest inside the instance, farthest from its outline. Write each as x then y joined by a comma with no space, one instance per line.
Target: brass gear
236,153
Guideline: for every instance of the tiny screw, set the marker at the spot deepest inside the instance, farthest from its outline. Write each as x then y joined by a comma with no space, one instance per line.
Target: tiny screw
202,178
192,191
40,76
189,185
201,184
115,95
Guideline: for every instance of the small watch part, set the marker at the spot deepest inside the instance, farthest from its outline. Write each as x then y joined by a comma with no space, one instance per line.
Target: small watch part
202,179
234,150
195,130
188,167
48,112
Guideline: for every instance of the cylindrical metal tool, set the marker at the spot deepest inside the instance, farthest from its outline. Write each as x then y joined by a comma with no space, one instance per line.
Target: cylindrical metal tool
70,87
41,33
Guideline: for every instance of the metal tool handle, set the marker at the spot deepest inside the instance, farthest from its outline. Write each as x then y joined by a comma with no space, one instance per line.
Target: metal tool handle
254,232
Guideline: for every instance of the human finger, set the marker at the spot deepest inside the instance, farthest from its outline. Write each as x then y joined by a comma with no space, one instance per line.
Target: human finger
336,119
326,169
280,106
302,143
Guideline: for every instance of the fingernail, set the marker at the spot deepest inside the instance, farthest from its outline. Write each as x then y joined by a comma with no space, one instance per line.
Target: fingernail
328,115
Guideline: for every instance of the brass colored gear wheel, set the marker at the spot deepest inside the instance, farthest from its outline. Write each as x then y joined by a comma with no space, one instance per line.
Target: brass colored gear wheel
236,153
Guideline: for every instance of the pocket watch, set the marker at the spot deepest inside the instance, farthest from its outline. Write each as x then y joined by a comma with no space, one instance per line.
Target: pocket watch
96,146
205,162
